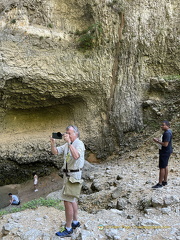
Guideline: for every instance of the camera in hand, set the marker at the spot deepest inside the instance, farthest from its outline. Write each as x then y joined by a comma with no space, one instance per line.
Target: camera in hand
57,135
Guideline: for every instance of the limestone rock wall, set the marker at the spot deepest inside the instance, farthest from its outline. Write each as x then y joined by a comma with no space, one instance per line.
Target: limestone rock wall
47,82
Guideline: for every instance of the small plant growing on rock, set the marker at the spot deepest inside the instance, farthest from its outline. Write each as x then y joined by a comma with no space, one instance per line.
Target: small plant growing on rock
50,25
89,37
144,203
86,41
171,77
13,21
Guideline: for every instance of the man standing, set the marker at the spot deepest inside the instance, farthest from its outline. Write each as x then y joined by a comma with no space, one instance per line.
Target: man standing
164,153
73,151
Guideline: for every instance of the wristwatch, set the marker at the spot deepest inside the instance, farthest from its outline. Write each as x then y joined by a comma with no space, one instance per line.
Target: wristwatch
69,144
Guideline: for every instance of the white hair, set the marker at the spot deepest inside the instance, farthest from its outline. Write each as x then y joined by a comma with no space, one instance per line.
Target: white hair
76,130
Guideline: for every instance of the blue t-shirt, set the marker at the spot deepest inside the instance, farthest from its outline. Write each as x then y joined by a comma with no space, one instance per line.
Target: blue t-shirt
167,137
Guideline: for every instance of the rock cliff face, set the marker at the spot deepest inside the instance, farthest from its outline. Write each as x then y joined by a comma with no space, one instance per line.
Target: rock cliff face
82,62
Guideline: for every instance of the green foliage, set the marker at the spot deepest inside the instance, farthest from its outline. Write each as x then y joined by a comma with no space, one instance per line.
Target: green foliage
77,32
33,205
89,37
86,41
13,21
50,25
171,77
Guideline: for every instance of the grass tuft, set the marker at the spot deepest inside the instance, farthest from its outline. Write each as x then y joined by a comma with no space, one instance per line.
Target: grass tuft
88,37
171,77
33,205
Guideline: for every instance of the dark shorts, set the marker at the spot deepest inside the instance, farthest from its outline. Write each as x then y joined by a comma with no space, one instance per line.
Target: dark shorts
163,160
15,202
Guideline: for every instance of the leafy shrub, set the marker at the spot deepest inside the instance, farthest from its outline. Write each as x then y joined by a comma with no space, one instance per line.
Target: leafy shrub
88,38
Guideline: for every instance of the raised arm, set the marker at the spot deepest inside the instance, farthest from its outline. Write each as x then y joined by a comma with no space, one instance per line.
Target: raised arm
53,146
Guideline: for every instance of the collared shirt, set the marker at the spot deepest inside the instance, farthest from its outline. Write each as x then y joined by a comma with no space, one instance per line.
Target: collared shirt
72,163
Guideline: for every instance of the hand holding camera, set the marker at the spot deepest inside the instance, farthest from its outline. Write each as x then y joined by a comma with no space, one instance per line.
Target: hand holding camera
59,135
66,138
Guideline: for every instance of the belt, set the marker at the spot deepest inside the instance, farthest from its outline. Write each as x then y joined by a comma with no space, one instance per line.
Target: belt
73,170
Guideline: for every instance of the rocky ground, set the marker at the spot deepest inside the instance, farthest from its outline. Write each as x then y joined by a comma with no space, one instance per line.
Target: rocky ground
117,203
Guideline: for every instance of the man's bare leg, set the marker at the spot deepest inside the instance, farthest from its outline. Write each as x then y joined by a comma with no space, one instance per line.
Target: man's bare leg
68,213
166,174
161,175
75,210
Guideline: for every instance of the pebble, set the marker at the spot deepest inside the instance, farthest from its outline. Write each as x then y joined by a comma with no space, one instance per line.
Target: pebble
170,200
166,210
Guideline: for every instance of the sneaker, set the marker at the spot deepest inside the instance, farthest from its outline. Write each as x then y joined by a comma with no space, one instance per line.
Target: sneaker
157,186
36,190
65,233
164,183
75,225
